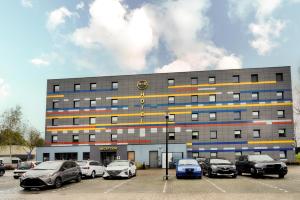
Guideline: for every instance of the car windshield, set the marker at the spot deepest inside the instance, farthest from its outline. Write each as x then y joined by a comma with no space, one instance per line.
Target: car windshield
49,165
260,158
24,165
219,161
187,162
82,163
119,163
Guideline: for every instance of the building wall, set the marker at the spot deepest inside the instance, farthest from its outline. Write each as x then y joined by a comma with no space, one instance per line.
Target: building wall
151,131
63,149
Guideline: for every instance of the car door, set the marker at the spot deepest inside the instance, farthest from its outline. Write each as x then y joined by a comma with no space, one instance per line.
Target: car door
99,168
241,164
95,167
73,170
132,167
205,165
65,171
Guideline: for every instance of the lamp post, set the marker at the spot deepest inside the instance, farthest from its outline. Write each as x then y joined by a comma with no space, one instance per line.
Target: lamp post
167,144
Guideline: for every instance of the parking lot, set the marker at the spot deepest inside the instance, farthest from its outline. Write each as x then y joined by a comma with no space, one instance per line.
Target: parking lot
149,184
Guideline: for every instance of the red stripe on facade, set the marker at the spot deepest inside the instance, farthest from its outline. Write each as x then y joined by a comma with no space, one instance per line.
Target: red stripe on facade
104,142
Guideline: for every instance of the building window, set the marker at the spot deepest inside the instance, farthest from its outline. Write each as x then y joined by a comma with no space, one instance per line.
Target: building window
213,154
236,96
279,77
280,114
171,136
171,82
195,154
76,103
114,85
212,80
237,134
257,152
281,132
55,104
212,98
212,116
113,137
279,95
75,121
213,134
194,116
92,103
237,115
195,135
85,155
171,117
194,81
256,133
114,119
255,114
236,78
92,138
54,122
282,154
92,120
255,96
76,87
55,88
195,99
171,100
75,138
54,138
114,102
93,86
254,77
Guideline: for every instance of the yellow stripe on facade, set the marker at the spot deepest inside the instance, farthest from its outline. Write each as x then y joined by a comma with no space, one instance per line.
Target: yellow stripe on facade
231,106
223,84
73,129
121,115
56,96
272,142
164,95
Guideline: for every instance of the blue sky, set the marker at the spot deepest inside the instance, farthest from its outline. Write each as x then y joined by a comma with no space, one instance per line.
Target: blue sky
43,40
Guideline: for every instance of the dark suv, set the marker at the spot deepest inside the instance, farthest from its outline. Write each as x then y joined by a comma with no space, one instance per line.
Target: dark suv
2,169
259,165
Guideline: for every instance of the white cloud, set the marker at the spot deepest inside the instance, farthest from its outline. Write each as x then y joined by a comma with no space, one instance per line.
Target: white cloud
4,88
132,34
80,5
58,17
39,62
126,33
265,29
26,3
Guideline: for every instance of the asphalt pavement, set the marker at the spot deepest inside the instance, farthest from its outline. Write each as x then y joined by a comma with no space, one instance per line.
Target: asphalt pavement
149,184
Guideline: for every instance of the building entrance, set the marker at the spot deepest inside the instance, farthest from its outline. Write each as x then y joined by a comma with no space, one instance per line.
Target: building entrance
107,157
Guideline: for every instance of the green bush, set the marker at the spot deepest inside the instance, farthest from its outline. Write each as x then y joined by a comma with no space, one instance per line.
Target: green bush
298,156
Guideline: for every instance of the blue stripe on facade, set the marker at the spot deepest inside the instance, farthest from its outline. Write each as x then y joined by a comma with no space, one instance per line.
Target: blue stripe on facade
91,108
221,111
239,150
276,90
219,143
210,103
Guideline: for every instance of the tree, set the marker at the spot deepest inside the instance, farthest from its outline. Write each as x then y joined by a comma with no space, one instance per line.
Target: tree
10,128
33,140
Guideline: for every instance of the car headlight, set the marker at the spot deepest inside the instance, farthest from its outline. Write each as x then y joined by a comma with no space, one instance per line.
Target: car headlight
180,169
233,167
283,164
45,176
259,165
198,168
125,170
214,167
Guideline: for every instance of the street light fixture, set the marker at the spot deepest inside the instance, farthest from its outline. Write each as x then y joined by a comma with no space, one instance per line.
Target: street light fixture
167,145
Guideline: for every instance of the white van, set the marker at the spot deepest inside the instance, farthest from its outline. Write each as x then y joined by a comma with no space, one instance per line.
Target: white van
13,162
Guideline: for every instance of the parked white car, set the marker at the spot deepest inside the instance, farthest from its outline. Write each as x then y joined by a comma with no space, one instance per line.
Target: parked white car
23,167
91,168
121,169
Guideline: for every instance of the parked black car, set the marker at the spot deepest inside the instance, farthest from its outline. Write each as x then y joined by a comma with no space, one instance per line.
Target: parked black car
2,169
219,167
259,165
51,173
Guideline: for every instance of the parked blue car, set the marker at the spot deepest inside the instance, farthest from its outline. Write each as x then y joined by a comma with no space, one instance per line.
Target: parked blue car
188,168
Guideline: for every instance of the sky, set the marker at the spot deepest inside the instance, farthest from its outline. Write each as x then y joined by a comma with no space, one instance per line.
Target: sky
42,40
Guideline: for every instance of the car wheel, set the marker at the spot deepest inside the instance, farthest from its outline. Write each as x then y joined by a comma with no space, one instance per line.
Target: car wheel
234,176
239,172
210,175
57,183
27,188
135,173
199,177
16,177
280,175
177,177
78,178
93,175
129,174
1,173
253,172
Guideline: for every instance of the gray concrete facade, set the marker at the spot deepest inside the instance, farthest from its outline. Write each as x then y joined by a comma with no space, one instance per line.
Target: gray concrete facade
151,104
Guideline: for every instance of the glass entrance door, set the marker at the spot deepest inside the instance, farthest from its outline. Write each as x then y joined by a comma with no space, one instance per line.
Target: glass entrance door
107,157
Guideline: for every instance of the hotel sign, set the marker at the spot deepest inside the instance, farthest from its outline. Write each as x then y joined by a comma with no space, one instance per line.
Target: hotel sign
142,85
108,148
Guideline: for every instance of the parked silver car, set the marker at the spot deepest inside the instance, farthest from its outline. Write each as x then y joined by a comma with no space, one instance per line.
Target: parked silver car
51,173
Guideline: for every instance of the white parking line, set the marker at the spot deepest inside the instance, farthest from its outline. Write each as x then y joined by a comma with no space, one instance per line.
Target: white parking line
217,187
165,187
270,186
116,186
